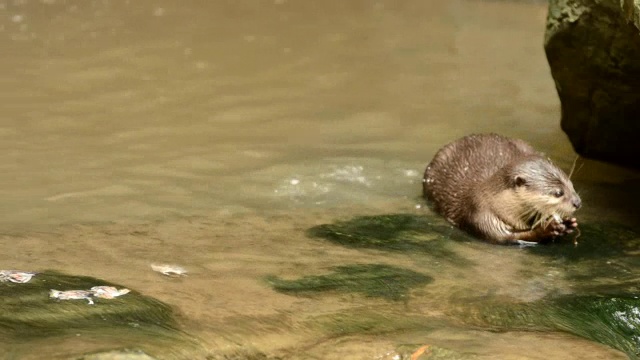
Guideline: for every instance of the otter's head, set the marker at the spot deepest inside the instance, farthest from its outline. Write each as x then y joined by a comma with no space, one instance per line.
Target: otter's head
544,188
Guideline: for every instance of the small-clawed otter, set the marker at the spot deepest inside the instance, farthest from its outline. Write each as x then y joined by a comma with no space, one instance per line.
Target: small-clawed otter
500,189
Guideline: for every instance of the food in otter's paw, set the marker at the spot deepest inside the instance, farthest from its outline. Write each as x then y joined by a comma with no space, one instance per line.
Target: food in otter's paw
501,189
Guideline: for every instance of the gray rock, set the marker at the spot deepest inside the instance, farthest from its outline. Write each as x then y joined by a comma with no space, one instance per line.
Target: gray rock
593,49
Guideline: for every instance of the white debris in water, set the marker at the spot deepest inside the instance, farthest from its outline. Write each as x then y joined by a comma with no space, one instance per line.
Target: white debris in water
294,182
169,270
103,292
418,206
108,292
71,295
15,276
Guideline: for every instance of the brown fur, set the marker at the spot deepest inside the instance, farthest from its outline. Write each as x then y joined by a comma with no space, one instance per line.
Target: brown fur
500,189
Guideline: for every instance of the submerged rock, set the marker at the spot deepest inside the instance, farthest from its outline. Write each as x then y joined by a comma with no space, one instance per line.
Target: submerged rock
605,261
135,320
26,309
373,280
598,240
395,232
593,49
117,355
371,321
242,354
613,321
604,300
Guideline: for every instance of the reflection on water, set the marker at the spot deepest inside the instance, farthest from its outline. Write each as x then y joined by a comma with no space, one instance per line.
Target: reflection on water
214,134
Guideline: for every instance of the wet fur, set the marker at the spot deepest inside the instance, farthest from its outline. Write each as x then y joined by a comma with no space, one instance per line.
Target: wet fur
500,189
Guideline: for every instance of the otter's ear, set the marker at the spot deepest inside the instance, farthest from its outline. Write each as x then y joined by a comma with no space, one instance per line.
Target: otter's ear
519,180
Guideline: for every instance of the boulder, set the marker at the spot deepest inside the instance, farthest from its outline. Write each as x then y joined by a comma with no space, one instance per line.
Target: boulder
593,49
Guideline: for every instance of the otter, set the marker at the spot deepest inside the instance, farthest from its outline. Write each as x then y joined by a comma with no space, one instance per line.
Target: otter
501,189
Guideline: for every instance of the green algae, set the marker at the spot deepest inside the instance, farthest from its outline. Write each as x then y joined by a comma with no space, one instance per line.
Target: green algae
613,321
408,233
243,354
606,310
604,262
368,322
371,280
27,313
27,310
603,270
597,240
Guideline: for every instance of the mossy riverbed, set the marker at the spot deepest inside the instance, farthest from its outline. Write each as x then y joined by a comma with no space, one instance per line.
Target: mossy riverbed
27,313
412,276
606,311
373,280
394,233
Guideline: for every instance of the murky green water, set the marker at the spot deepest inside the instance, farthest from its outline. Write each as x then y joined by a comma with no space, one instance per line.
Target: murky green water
229,136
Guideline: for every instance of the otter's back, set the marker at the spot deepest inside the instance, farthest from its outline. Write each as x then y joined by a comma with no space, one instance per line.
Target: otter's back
460,167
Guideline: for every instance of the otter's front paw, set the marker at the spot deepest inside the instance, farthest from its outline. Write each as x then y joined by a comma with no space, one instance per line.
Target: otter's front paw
555,228
570,225
558,227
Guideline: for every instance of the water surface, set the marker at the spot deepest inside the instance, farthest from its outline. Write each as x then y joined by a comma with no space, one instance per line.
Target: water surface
214,134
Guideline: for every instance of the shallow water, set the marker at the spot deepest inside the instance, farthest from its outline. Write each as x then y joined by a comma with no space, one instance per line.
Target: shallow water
214,134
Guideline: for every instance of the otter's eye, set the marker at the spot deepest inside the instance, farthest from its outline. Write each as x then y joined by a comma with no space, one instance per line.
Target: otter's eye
558,193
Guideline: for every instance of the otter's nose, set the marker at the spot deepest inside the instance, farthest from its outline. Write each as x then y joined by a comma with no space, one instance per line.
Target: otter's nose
577,203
